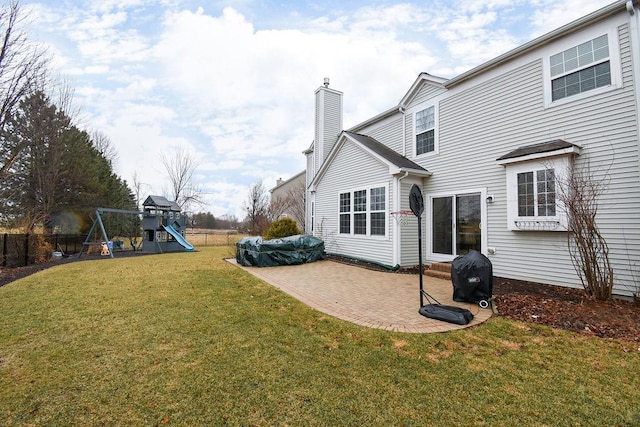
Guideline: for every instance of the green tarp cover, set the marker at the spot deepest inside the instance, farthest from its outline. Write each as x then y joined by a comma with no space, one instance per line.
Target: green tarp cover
299,249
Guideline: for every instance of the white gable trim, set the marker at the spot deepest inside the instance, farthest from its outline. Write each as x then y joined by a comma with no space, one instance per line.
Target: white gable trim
393,169
422,79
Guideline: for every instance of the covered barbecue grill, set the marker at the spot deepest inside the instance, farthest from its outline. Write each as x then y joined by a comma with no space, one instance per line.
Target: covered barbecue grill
472,277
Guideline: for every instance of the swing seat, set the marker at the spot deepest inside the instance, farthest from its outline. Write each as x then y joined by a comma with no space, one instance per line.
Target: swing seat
447,313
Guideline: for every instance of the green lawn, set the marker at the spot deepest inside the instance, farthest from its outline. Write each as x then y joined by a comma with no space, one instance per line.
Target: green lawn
187,339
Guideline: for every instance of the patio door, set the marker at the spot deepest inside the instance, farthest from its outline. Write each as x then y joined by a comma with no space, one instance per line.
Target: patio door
456,226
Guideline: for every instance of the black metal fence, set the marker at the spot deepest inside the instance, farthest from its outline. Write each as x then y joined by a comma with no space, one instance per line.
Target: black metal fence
19,250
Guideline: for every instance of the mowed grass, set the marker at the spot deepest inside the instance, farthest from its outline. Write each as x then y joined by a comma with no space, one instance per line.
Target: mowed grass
188,339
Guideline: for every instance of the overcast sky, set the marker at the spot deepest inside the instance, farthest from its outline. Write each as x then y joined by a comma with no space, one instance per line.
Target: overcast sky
232,82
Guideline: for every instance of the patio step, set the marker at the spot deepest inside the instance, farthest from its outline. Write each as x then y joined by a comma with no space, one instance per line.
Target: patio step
441,270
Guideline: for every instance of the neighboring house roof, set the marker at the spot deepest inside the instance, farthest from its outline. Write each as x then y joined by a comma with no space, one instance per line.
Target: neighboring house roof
396,163
544,149
293,178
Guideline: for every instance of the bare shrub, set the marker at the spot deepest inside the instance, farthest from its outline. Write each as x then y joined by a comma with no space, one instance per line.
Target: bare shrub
580,194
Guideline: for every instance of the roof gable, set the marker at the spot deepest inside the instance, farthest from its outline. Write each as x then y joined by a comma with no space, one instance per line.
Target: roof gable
423,79
394,161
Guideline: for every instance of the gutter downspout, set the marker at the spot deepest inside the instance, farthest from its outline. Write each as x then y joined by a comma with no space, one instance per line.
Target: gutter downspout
634,31
396,226
404,131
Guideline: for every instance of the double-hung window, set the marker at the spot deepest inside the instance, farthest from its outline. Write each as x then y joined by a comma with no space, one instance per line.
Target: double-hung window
425,130
364,212
345,213
580,68
377,207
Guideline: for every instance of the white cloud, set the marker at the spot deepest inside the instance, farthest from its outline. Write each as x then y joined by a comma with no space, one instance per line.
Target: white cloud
550,14
159,74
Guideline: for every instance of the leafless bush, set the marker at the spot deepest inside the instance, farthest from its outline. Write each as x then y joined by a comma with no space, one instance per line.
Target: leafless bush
580,193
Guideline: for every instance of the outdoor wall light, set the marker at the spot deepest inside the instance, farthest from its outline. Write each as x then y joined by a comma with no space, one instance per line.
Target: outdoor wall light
490,198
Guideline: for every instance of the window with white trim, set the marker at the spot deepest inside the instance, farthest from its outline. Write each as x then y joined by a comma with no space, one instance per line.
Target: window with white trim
345,213
532,190
425,130
537,193
364,212
580,68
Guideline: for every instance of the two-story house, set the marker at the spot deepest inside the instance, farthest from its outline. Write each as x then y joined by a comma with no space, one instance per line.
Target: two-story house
490,149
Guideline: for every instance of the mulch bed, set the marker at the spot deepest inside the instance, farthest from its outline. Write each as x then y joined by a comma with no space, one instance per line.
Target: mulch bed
554,306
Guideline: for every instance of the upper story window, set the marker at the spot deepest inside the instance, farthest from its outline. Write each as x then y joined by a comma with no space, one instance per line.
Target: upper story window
364,212
425,130
580,68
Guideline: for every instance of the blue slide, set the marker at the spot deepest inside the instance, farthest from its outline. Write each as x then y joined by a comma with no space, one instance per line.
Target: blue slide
188,246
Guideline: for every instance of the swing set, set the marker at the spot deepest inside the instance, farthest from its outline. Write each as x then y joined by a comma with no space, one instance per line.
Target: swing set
98,225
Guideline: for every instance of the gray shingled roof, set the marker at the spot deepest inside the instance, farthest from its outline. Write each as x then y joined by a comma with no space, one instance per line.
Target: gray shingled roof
385,152
543,147
161,202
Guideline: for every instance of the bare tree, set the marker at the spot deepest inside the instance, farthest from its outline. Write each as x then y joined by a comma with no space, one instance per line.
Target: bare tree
22,70
296,196
580,193
291,204
257,207
138,188
180,168
104,146
278,207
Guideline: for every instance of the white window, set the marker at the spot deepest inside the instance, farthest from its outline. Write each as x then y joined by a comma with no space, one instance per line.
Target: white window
425,131
345,213
363,212
582,65
533,202
537,193
580,68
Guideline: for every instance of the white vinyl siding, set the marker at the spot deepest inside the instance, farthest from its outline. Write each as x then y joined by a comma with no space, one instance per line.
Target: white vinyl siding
389,133
353,170
487,116
367,215
481,122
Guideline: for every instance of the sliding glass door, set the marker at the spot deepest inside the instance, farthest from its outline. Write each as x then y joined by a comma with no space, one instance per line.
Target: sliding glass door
455,224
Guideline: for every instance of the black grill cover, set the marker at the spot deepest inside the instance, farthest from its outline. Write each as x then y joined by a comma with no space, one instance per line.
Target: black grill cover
290,250
472,277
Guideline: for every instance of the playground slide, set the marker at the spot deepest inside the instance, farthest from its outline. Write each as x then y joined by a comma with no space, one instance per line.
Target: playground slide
188,246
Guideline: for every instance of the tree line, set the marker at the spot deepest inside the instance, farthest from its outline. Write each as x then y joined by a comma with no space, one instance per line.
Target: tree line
52,173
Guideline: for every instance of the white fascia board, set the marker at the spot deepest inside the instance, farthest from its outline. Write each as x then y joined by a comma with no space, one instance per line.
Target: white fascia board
327,161
417,84
394,170
576,25
536,156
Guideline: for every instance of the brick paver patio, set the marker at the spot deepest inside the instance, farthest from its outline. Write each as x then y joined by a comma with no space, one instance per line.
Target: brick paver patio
369,298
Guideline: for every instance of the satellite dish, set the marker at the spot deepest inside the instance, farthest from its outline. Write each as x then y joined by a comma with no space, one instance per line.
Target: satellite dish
415,200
